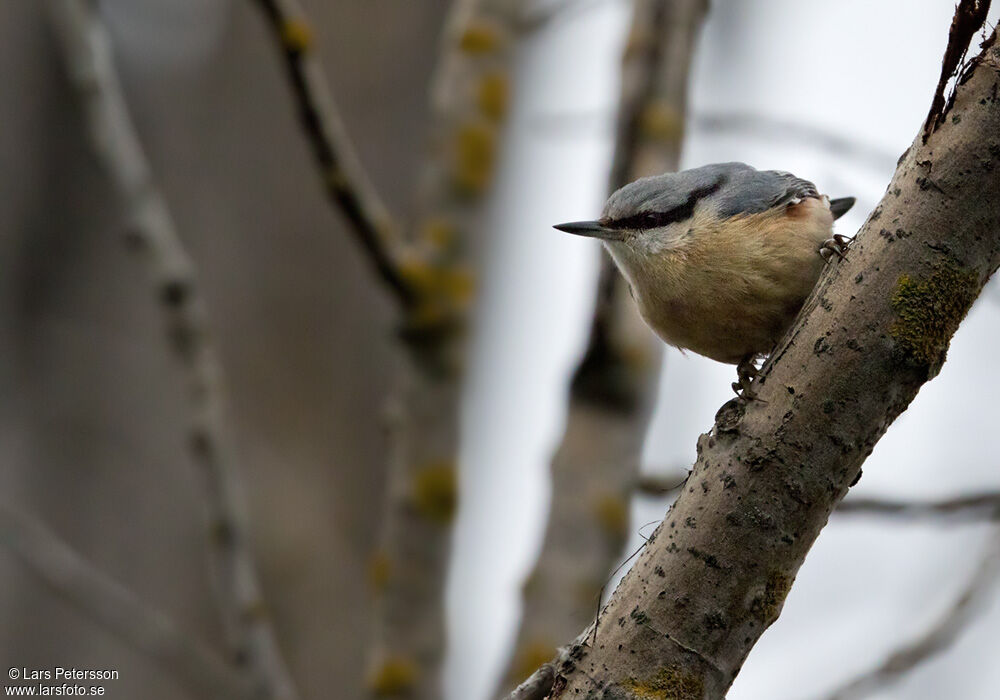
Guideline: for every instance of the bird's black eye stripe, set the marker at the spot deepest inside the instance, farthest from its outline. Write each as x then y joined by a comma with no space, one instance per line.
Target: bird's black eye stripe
655,219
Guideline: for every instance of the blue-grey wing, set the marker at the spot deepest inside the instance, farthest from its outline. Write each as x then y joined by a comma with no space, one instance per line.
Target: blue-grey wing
756,191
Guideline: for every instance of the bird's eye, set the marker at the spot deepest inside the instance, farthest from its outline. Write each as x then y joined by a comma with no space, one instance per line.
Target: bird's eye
652,220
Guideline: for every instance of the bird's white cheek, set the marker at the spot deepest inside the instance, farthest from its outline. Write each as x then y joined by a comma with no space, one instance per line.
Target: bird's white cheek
657,240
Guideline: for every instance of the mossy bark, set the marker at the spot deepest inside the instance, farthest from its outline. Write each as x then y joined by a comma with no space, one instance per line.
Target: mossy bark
470,95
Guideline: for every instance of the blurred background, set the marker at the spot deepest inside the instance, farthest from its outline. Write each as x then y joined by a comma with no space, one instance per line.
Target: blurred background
95,408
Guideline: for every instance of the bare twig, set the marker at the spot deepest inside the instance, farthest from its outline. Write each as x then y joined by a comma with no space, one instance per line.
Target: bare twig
345,180
87,52
979,507
937,638
970,15
545,15
117,609
783,130
974,508
750,124
595,469
658,486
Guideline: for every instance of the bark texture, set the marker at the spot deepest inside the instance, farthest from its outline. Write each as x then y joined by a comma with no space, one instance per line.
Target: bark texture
613,391
716,572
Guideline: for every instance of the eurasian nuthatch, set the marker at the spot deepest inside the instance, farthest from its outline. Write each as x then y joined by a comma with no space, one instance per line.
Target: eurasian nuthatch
720,258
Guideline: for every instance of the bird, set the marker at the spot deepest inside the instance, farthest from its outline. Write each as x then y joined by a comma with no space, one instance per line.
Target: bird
720,258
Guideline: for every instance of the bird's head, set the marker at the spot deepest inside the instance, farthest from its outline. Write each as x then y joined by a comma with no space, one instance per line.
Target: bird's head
652,214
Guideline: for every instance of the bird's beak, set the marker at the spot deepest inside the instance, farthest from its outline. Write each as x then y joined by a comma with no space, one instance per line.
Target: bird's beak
591,229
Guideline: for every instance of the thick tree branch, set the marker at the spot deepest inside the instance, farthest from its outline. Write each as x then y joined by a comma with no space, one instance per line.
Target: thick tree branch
716,572
87,52
938,637
470,95
429,271
614,387
118,610
343,177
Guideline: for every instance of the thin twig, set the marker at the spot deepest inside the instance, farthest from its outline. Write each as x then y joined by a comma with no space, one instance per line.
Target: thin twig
777,129
978,507
117,609
87,52
937,638
545,15
974,508
656,486
750,124
970,15
344,178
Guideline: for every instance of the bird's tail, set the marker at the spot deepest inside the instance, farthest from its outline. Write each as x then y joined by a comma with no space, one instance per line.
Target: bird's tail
839,207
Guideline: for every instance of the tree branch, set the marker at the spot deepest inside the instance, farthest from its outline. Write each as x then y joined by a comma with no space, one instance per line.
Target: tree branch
970,15
978,507
937,638
430,274
343,177
546,15
657,486
596,466
87,53
469,100
716,572
118,610
750,124
974,508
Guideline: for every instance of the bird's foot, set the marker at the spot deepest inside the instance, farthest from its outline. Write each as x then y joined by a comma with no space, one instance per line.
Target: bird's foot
835,246
746,371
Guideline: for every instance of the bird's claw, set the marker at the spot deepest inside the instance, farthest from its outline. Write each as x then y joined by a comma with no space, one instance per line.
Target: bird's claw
746,370
837,245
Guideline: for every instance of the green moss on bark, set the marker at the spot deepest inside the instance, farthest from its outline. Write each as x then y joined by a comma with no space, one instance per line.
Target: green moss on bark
435,491
929,310
670,683
767,605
